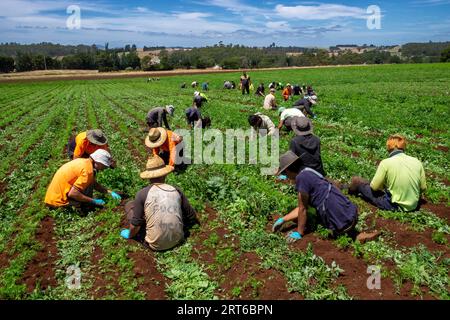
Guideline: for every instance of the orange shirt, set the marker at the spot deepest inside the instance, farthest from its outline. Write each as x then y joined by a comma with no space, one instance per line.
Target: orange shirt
169,146
286,93
83,145
78,173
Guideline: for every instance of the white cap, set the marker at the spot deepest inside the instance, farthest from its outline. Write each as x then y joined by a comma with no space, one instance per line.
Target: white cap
102,156
196,93
170,109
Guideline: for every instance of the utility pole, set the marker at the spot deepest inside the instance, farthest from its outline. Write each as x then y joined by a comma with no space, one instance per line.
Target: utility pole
45,63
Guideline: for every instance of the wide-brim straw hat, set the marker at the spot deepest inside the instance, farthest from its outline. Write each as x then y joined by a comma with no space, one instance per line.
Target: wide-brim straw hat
286,160
156,168
156,137
96,137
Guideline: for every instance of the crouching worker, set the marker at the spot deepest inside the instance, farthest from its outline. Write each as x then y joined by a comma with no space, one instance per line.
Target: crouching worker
74,183
164,144
161,215
336,212
86,143
398,181
260,121
157,116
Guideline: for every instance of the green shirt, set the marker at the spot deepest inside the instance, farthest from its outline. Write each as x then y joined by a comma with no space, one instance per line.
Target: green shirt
404,177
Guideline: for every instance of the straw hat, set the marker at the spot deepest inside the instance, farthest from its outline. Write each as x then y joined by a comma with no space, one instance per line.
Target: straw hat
96,137
155,168
156,137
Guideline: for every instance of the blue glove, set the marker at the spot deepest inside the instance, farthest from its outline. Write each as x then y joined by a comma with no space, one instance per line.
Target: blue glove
282,177
115,196
293,237
125,233
315,117
98,202
278,224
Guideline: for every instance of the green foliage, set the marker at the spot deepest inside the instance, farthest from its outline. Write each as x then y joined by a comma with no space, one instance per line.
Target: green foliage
419,220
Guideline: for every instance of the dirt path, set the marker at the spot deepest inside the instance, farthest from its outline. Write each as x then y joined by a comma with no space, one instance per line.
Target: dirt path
41,269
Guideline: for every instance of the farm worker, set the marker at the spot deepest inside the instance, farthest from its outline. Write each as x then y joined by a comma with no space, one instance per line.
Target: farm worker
74,182
164,143
336,212
183,85
287,116
160,214
205,86
227,85
310,91
199,99
194,117
157,116
194,84
297,90
398,181
86,143
270,102
260,90
287,92
245,83
305,104
260,121
306,145
233,85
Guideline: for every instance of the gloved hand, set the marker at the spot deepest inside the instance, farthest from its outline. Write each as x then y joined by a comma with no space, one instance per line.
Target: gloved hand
278,224
98,202
125,233
314,117
282,177
115,196
293,236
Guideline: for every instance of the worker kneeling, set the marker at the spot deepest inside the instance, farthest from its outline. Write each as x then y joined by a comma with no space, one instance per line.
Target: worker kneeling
74,183
336,212
160,213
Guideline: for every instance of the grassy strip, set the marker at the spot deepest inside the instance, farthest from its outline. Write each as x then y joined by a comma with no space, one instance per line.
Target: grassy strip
416,264
25,244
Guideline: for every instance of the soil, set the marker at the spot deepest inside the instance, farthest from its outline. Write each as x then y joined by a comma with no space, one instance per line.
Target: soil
442,148
245,268
41,269
441,210
405,237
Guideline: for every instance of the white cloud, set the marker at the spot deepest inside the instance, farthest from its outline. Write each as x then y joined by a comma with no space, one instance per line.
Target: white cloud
278,25
320,12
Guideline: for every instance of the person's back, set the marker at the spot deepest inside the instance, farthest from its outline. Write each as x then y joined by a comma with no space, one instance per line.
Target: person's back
163,215
154,114
297,90
335,210
78,173
308,149
269,102
227,85
404,177
266,123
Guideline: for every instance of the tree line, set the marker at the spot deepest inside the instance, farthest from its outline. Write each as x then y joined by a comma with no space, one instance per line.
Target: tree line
225,56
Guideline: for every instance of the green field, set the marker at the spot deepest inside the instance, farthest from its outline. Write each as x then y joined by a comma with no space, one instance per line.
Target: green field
232,254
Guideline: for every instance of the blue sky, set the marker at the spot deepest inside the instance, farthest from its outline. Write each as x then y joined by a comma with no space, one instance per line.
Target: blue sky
206,22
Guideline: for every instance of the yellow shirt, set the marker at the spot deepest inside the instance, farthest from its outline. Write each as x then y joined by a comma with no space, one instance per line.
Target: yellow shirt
78,173
404,177
83,145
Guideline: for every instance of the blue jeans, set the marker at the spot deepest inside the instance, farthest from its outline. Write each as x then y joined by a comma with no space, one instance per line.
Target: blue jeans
380,199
